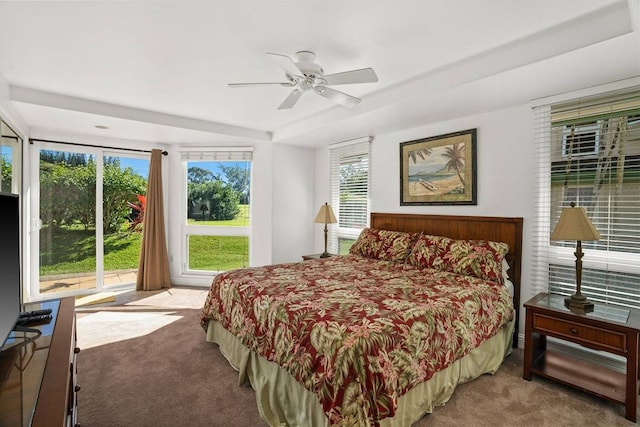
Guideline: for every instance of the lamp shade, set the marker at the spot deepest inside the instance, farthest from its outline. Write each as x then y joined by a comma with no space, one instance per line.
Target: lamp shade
574,224
325,215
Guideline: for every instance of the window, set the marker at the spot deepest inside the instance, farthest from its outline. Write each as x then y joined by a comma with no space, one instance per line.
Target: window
10,159
589,153
217,211
582,139
349,169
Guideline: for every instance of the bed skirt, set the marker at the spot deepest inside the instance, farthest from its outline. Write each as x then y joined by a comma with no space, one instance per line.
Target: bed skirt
282,401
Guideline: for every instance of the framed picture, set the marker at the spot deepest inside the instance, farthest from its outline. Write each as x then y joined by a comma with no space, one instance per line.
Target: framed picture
439,170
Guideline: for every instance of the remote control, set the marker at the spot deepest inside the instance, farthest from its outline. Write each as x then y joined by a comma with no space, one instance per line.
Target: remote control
40,318
35,313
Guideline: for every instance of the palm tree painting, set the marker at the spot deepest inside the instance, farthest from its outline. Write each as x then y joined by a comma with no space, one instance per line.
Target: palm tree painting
439,170
422,153
455,155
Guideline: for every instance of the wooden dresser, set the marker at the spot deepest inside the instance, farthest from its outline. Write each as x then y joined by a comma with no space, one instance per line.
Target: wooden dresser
38,374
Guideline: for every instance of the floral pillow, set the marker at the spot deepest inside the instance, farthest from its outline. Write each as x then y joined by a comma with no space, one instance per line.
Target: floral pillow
383,244
429,251
477,258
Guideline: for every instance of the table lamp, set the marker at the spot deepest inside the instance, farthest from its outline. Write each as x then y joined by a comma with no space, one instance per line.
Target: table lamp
574,224
325,216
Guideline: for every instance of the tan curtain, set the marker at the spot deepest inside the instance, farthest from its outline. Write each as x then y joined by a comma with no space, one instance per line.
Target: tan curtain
153,268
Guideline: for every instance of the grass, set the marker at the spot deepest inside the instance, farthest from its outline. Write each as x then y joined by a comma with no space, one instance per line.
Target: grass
218,253
242,220
71,250
345,244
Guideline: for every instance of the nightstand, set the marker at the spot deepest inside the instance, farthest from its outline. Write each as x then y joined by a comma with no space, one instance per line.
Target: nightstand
314,256
608,328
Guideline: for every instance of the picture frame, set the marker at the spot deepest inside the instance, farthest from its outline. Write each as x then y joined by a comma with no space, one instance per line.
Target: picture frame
439,170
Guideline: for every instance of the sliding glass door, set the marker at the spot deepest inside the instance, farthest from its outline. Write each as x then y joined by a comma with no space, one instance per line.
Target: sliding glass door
124,189
67,217
89,205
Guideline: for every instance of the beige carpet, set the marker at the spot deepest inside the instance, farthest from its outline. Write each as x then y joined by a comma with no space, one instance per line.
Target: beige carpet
145,362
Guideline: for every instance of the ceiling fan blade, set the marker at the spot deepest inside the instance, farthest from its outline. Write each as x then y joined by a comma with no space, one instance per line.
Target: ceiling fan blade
337,96
286,64
286,84
363,75
291,100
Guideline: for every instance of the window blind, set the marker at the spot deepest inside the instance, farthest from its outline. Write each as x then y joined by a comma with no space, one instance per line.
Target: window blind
349,188
588,152
221,154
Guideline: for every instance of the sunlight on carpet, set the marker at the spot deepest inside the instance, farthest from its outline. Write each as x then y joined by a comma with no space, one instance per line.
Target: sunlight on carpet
107,327
100,298
174,298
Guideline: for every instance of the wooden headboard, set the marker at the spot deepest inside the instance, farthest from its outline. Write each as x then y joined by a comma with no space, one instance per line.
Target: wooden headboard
497,229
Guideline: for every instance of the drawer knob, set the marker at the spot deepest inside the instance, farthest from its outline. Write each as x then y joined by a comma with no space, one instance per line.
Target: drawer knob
76,350
574,331
76,388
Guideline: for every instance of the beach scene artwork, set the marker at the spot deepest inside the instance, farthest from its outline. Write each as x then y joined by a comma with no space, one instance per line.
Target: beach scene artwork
438,173
439,170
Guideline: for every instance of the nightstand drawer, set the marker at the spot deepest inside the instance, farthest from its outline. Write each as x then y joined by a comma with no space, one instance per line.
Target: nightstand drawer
588,335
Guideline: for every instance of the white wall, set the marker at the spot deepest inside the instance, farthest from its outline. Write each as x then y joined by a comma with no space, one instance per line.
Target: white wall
322,194
261,205
292,201
504,149
505,174
8,112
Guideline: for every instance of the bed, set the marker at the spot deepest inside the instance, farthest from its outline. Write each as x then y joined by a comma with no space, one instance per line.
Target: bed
380,336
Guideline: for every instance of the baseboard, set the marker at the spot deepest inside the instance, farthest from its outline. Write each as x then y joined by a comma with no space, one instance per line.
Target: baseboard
195,281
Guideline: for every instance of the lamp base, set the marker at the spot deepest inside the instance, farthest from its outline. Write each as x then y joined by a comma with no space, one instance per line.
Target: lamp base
578,303
325,255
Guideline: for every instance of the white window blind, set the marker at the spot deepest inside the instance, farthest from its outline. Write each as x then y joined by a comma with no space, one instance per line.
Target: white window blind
588,152
349,187
221,154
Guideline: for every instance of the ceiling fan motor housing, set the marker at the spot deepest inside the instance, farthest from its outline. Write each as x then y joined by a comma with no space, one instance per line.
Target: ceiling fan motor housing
312,71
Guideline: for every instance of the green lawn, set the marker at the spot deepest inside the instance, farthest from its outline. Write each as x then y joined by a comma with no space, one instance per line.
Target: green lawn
218,253
70,250
242,220
345,244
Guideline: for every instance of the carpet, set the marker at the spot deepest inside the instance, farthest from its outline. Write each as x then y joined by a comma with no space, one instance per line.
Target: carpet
144,363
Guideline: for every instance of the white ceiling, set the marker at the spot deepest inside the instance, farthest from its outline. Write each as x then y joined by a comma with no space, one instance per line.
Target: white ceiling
158,70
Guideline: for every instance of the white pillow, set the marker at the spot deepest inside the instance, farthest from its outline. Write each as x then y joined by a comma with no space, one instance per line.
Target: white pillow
505,276
505,270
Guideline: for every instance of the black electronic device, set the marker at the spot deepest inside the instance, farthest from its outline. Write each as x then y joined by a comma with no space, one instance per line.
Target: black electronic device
35,313
37,319
10,293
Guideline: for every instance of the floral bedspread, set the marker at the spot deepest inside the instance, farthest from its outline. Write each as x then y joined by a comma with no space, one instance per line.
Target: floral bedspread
357,332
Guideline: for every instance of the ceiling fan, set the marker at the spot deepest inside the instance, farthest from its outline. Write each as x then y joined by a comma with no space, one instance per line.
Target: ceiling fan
304,75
